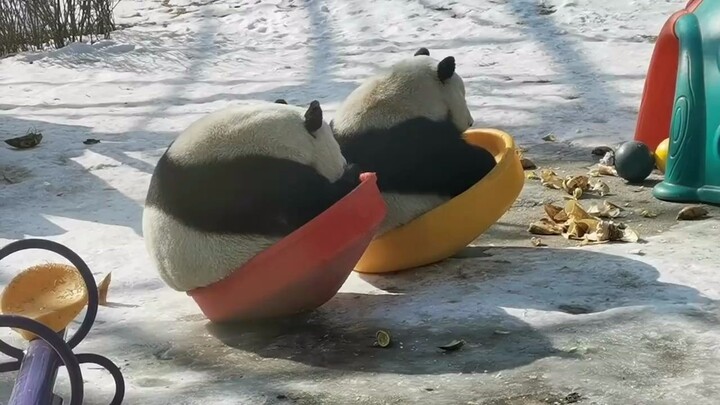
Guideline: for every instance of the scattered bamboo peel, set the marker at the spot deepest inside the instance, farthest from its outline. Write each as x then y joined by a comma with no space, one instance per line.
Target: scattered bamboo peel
692,213
103,287
383,339
575,186
27,141
607,211
527,164
575,223
603,170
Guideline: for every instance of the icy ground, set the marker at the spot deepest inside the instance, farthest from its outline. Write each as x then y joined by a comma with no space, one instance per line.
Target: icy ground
614,327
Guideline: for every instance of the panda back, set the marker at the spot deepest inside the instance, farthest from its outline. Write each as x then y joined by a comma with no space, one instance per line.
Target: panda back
248,170
407,91
272,130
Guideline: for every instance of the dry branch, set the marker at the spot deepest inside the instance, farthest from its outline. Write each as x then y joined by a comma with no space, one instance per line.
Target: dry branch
37,24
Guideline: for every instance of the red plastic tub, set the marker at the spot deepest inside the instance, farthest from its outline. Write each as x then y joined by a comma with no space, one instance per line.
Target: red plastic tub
305,269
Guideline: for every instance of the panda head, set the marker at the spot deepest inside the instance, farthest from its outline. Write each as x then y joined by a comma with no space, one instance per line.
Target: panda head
268,129
414,87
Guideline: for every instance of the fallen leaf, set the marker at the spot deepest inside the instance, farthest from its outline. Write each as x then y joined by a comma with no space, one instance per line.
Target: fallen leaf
545,227
28,141
553,210
561,217
572,182
629,235
601,150
382,338
549,138
594,173
527,164
575,211
611,210
577,193
594,209
537,242
608,159
453,346
532,176
607,170
586,242
545,174
550,179
576,230
572,398
605,231
601,232
590,222
648,214
601,188
692,213
555,183
608,210
103,287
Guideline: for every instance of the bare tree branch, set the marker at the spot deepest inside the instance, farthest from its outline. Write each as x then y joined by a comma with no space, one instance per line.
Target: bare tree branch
38,24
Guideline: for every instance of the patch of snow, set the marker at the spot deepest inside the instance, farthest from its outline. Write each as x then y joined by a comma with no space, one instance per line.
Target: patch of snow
571,67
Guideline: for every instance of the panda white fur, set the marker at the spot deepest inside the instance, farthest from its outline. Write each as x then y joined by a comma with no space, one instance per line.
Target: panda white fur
235,182
406,125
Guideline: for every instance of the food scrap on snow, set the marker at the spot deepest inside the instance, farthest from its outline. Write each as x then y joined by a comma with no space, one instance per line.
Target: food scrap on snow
576,223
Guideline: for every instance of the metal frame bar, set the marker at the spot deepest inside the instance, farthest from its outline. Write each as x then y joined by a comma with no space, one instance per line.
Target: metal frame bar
38,366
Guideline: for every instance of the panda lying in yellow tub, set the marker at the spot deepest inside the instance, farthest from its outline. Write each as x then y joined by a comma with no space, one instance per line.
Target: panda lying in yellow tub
406,125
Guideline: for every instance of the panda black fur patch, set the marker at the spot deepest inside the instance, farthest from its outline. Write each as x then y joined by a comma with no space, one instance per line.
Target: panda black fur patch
419,156
247,195
422,51
280,101
313,117
446,68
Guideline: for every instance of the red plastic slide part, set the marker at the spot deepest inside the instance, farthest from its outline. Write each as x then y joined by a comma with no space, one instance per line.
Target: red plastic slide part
653,125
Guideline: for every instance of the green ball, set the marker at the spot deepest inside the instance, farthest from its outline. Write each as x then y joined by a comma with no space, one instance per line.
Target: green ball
634,161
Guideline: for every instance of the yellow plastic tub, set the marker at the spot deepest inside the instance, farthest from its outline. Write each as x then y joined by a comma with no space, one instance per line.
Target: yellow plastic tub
449,228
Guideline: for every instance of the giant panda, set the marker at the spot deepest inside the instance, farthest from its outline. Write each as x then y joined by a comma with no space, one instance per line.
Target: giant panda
406,125
235,182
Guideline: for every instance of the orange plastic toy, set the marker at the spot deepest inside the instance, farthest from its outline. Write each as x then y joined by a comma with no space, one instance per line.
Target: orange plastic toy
52,294
653,124
450,227
305,269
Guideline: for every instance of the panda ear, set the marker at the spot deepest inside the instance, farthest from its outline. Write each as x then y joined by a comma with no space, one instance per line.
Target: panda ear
313,117
422,51
446,68
280,101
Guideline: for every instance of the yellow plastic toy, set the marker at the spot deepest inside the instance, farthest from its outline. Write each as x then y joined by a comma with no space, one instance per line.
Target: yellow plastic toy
52,294
661,153
449,228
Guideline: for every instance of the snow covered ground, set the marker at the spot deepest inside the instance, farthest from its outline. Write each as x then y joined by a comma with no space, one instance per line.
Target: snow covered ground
571,67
